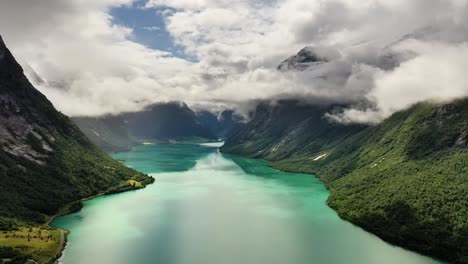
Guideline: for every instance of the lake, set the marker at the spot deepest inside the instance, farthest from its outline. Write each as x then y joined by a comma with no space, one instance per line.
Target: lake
212,208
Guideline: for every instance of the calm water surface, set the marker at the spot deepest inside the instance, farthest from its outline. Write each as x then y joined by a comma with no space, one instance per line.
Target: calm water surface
211,208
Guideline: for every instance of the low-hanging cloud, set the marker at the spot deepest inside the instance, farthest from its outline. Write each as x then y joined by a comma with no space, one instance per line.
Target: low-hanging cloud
90,66
437,74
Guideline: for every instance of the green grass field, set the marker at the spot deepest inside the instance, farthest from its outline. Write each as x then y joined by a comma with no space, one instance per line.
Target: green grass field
39,242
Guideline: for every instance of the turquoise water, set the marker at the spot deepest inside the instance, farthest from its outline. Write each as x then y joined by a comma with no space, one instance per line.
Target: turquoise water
211,208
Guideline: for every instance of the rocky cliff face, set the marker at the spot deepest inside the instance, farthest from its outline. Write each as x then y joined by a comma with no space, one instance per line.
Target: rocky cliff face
27,119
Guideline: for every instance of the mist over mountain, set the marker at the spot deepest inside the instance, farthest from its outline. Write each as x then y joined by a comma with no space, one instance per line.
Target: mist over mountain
370,96
288,128
379,52
373,170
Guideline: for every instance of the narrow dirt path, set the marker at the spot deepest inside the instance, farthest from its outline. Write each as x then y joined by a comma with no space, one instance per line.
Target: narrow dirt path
59,249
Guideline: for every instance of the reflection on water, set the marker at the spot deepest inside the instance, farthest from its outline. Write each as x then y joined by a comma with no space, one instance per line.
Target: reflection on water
206,207
164,157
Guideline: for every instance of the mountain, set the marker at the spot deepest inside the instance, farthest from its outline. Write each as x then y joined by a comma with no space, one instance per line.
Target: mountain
167,121
163,121
46,162
308,57
287,128
221,125
405,179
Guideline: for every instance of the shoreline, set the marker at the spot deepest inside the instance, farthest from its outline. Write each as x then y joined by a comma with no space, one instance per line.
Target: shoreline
66,210
64,232
271,164
364,228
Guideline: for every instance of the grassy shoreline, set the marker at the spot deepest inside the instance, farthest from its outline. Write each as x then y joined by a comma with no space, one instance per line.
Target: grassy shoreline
46,249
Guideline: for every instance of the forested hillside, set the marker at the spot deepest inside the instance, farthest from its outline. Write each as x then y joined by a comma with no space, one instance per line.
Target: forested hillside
46,162
287,128
405,179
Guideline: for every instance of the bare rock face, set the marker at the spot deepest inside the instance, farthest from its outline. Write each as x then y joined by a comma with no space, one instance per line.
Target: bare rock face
18,136
307,57
28,121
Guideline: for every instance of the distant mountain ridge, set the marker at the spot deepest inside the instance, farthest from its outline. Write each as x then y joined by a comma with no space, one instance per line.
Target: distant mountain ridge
162,121
173,120
223,124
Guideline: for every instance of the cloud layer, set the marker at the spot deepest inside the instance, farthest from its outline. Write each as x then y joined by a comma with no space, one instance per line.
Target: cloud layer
90,66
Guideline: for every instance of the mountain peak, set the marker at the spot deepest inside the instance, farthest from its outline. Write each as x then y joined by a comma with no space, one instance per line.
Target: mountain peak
309,56
8,64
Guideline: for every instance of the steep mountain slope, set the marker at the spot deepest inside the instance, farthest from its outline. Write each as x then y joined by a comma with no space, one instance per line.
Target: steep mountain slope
405,179
286,129
110,133
45,160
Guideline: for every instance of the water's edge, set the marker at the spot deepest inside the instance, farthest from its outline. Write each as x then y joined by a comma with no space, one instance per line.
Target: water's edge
65,211
340,215
267,164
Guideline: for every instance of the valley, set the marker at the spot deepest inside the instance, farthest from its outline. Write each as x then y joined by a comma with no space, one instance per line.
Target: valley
210,207
205,132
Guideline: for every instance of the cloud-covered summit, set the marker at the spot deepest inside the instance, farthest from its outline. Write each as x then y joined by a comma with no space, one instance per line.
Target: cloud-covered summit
392,53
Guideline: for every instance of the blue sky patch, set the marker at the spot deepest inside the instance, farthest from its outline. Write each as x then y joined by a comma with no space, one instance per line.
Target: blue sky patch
148,27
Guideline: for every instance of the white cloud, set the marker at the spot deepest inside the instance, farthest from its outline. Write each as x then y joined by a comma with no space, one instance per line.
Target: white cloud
93,66
437,74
